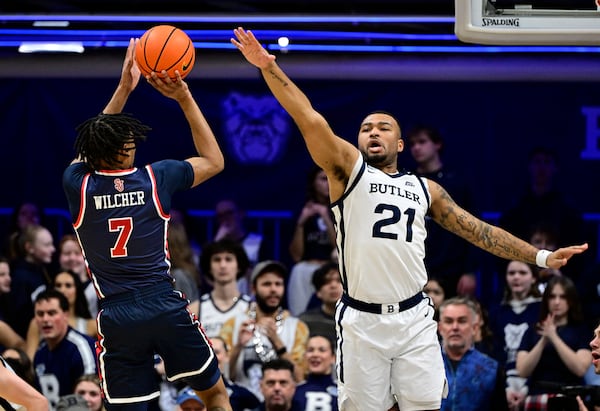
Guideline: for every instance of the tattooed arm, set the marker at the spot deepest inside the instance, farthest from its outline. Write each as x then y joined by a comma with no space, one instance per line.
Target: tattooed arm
333,154
490,238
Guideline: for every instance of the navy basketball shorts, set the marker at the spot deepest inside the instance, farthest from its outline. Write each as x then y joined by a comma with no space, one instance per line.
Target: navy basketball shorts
133,327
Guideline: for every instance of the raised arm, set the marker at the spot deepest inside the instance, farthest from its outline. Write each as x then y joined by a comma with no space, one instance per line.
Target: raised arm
209,161
491,238
130,77
333,154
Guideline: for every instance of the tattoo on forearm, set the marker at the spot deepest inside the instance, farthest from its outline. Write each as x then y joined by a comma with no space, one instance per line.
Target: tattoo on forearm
485,236
275,76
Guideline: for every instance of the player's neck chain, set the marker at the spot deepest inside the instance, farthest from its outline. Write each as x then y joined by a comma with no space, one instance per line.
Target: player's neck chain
263,353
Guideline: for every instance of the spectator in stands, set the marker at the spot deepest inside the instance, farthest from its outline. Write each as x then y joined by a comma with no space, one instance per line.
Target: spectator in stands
321,320
436,293
70,258
475,381
189,401
555,352
447,256
64,353
5,281
588,288
266,331
183,267
29,274
223,263
544,235
313,241
79,318
8,336
319,390
88,387
518,311
277,386
25,214
483,333
230,225
240,397
544,204
71,402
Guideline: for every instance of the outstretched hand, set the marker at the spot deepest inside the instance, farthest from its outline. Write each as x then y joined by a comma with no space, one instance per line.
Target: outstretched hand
130,74
560,257
251,48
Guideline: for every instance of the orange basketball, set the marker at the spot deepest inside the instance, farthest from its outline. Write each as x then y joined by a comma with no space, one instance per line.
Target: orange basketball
167,48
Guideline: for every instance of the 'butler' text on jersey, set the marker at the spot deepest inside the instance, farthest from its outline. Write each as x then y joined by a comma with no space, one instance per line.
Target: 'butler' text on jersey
380,223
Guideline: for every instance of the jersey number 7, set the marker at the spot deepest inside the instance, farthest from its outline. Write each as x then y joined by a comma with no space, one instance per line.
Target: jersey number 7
124,226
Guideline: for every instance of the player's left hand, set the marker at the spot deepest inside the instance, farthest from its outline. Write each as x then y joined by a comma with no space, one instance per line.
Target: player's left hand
251,48
560,257
177,90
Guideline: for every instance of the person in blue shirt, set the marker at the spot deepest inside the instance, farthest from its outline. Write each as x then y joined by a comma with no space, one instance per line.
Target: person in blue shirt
318,392
64,354
475,381
121,215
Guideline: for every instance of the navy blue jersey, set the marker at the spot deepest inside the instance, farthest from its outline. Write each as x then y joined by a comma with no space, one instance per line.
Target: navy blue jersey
121,219
317,393
509,324
57,370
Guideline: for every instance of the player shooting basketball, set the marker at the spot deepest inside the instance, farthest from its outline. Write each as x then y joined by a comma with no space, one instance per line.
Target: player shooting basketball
121,215
387,342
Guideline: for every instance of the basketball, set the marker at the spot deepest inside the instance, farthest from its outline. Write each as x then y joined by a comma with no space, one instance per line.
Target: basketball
167,48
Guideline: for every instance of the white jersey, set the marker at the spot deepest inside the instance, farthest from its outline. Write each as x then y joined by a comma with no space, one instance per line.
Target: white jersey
212,318
380,224
248,368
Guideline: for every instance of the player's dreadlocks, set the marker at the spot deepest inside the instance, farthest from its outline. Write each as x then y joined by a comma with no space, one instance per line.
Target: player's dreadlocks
100,139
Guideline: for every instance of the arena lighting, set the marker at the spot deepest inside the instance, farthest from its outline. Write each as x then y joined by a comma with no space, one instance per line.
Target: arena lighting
379,34
61,47
50,23
233,19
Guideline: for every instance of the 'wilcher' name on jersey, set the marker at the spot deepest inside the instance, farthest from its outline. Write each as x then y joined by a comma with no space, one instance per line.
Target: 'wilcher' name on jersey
133,198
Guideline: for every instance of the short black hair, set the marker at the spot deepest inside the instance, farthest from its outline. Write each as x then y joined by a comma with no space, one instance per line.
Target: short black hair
101,139
278,364
319,278
52,293
224,246
433,133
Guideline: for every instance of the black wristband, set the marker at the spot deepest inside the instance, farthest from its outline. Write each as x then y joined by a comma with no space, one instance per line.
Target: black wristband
281,351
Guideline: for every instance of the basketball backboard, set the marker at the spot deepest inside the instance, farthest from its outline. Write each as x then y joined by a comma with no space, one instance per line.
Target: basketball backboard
528,22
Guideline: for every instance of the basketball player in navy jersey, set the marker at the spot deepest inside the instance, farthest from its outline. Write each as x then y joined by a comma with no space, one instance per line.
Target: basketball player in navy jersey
387,343
121,214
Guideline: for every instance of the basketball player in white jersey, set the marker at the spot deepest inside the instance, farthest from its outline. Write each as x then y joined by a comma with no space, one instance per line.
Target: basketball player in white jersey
387,343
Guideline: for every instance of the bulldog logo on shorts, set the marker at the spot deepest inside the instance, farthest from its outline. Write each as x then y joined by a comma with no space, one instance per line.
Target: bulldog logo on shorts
256,128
